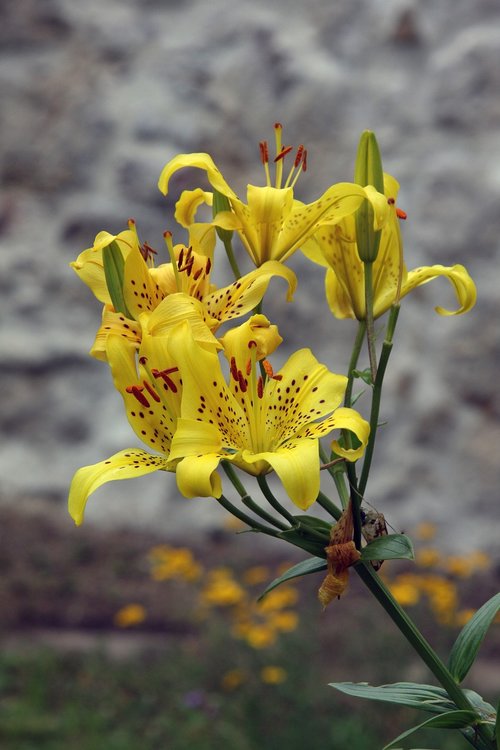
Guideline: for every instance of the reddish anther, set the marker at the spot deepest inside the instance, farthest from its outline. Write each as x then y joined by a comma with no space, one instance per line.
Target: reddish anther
299,155
180,259
248,367
401,214
197,275
208,266
304,160
136,390
164,374
264,152
243,382
268,368
143,360
284,151
151,391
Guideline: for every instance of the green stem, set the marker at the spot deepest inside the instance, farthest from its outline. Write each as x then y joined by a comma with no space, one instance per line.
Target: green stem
255,525
329,506
266,491
358,343
376,397
228,246
409,630
247,500
370,331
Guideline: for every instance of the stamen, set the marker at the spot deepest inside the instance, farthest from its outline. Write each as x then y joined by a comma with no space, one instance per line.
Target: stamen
208,266
136,390
248,368
264,152
268,368
147,252
243,382
180,260
278,128
299,155
401,214
284,152
151,391
197,275
304,160
164,374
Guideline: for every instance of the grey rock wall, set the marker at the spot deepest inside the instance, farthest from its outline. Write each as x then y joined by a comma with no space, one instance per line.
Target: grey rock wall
96,97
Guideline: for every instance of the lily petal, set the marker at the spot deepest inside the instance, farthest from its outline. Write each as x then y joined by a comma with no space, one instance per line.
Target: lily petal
200,161
197,476
463,285
243,295
297,465
188,204
126,464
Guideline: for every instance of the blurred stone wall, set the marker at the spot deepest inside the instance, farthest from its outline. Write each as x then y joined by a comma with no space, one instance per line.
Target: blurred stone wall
96,97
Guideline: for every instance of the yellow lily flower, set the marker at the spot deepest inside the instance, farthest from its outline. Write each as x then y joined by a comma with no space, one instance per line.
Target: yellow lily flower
335,248
158,298
272,224
152,399
259,424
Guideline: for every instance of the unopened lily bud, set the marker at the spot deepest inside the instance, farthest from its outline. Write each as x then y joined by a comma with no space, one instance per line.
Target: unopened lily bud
368,171
113,262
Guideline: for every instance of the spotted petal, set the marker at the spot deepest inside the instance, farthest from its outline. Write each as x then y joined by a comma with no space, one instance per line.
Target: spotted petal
297,465
245,294
126,464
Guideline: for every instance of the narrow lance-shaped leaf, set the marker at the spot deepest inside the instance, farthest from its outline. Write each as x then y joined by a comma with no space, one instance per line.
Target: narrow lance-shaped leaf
423,697
304,568
469,640
448,720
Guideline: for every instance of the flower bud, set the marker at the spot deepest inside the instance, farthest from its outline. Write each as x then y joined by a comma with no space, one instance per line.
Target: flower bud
113,262
368,171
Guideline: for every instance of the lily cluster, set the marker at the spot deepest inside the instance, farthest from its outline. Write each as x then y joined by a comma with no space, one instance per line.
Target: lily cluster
192,362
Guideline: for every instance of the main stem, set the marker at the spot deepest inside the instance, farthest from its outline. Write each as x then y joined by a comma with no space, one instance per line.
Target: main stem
419,643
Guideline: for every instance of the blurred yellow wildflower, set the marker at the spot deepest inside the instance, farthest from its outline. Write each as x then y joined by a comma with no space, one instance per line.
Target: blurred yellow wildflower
233,679
284,596
463,616
425,531
285,621
260,636
255,575
273,675
222,590
130,615
428,557
405,590
173,563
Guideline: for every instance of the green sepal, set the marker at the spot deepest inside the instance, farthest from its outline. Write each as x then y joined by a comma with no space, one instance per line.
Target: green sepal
390,547
114,264
471,636
368,171
450,720
304,568
221,203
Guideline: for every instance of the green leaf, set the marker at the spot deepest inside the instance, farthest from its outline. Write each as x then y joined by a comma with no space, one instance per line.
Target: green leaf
364,375
113,262
449,720
298,536
304,568
390,547
471,636
423,697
